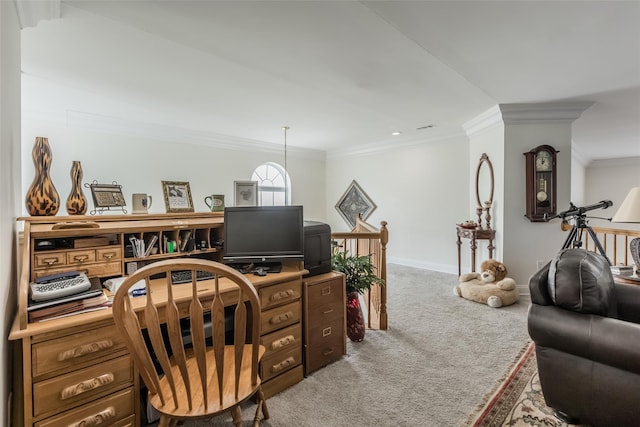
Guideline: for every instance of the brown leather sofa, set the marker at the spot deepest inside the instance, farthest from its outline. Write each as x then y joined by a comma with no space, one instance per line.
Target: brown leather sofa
586,329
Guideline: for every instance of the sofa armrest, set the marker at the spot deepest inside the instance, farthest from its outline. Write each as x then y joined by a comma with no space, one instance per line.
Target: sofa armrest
628,297
605,340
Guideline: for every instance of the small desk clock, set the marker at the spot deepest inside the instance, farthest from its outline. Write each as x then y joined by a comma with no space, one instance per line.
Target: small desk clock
541,182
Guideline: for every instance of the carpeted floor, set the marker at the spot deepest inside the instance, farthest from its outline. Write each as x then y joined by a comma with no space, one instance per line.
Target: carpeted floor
441,355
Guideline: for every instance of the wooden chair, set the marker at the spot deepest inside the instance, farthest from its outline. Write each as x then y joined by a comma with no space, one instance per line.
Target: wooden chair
206,377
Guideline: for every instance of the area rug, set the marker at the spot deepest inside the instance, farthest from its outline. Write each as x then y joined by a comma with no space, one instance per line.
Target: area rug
518,399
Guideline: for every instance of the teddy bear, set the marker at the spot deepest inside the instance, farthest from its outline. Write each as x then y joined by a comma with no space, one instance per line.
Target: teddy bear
490,287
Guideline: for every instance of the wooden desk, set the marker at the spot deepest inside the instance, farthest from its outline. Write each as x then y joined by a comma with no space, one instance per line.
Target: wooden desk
77,369
474,235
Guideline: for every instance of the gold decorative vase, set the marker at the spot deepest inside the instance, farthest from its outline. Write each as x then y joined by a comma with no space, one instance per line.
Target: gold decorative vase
76,202
42,198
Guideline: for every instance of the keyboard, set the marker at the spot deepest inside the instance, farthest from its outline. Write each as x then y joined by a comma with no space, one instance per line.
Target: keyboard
184,276
59,285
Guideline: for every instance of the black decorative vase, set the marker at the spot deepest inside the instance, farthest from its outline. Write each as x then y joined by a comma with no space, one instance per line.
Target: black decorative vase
42,197
76,202
355,319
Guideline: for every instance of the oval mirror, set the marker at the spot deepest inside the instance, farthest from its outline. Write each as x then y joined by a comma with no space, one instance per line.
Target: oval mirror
484,182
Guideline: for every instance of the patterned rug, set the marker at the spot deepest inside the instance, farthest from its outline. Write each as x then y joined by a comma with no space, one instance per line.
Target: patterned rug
517,400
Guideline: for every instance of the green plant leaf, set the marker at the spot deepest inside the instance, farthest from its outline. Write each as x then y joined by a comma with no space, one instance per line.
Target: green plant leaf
359,271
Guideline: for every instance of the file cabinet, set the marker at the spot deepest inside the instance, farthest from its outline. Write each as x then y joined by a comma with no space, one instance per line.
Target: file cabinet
324,335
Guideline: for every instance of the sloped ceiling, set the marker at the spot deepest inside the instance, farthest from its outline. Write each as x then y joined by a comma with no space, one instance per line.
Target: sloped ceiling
341,74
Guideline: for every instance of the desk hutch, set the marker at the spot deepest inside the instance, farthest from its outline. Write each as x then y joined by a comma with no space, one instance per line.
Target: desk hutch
76,370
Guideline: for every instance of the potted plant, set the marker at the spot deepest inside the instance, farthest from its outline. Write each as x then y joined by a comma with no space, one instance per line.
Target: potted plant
360,275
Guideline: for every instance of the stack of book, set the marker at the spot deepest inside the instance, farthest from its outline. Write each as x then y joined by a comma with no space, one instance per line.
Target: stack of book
90,300
622,270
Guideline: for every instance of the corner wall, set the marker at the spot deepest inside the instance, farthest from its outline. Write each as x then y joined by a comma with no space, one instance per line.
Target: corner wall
9,185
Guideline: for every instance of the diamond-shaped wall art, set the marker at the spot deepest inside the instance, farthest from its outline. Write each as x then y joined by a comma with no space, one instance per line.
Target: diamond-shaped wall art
355,202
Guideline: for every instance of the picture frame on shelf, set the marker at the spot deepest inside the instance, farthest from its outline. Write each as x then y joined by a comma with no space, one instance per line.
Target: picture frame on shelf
246,193
106,197
177,196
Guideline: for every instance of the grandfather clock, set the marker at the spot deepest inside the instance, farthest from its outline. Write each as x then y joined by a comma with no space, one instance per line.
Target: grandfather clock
541,183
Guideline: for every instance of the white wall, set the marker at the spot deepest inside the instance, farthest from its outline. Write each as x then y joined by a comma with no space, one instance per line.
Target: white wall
140,163
611,180
9,184
421,190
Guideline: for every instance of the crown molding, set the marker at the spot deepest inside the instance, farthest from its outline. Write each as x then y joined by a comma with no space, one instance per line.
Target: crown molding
390,145
80,120
559,112
490,118
31,12
615,163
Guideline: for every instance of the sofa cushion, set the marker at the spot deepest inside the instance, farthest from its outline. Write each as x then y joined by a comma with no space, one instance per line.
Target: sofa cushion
581,281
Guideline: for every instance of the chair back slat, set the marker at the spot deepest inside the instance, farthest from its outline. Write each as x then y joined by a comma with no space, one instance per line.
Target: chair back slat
203,374
218,325
196,316
240,337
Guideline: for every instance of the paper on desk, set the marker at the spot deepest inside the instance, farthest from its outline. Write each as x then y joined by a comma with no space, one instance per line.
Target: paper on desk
114,283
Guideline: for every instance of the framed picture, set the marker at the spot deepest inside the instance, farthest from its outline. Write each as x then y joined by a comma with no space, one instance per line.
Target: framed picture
177,196
107,196
355,202
246,193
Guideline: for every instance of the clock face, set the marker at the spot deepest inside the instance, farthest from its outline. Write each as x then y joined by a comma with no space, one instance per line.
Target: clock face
543,161
541,196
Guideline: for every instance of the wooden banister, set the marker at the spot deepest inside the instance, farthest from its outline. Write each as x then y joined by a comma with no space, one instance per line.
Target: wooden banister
614,241
365,239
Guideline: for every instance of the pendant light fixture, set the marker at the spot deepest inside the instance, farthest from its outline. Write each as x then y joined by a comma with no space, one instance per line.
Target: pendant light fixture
286,173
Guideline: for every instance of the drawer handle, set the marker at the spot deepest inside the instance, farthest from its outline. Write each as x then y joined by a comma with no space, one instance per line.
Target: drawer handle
283,365
282,295
281,318
326,291
51,261
326,331
83,350
283,342
88,385
108,255
328,311
327,352
80,258
100,418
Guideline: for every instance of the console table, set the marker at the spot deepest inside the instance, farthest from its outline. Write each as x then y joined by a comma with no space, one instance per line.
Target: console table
474,234
76,370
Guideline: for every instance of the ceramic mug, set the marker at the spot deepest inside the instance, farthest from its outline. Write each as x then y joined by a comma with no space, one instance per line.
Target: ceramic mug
215,202
141,203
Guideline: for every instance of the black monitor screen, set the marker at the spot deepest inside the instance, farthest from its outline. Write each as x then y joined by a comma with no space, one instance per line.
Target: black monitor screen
263,234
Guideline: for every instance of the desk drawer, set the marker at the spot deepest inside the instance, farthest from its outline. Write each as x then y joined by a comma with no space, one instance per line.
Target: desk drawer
281,340
50,259
110,253
81,257
280,294
75,350
103,412
82,385
325,350
91,270
280,362
280,317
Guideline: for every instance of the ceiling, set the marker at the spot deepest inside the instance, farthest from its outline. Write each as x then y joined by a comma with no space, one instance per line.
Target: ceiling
341,74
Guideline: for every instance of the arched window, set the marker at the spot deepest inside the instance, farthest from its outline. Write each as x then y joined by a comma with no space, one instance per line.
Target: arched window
274,185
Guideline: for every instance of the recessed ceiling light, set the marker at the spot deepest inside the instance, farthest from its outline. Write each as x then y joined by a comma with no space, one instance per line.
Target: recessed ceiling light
396,133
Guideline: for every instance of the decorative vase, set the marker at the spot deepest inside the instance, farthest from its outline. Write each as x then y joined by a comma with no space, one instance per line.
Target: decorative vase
76,202
42,197
355,319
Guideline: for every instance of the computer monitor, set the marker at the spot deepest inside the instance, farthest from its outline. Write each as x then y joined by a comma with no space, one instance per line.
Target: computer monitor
266,235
